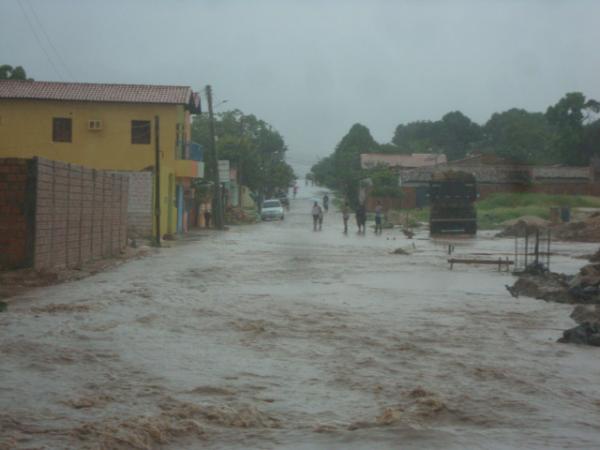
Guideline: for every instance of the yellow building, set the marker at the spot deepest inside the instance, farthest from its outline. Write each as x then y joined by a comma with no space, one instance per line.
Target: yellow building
108,126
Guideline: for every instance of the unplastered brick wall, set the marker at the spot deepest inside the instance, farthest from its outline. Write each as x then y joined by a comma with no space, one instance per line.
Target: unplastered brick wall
16,213
81,214
54,214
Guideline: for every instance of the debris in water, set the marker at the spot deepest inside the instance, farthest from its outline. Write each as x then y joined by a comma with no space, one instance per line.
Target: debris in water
61,308
585,313
557,287
389,416
89,401
586,333
211,390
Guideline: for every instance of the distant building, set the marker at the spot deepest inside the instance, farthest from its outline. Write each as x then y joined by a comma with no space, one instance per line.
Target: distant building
415,160
496,175
109,127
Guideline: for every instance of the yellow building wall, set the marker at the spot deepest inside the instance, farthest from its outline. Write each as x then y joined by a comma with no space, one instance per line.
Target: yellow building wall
26,131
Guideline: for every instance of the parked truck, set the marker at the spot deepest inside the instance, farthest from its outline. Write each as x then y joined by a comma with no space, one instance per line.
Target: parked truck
452,196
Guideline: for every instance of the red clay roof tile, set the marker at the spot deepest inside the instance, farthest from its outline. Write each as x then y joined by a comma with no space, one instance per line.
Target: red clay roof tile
98,92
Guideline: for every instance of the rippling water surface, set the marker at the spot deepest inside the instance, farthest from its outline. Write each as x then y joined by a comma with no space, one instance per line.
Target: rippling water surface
274,336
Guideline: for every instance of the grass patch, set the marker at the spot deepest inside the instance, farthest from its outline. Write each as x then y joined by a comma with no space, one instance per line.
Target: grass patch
499,208
540,200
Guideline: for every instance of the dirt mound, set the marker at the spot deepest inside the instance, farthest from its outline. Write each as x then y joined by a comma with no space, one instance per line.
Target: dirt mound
586,314
557,287
587,230
585,286
522,225
552,287
586,333
588,329
595,257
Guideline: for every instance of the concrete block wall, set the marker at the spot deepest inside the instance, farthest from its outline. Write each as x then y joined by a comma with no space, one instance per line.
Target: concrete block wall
81,214
16,213
66,214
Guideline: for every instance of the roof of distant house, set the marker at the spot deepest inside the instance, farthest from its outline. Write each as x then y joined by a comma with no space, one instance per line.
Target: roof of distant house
100,92
408,161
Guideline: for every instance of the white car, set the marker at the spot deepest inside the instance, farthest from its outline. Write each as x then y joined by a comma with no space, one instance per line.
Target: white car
271,209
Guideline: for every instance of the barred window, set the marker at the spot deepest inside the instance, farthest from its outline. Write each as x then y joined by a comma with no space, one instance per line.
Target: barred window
61,129
140,131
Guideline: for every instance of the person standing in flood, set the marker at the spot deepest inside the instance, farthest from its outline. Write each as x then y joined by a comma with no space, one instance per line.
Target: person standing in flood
320,218
378,218
326,202
315,215
361,218
346,216
207,218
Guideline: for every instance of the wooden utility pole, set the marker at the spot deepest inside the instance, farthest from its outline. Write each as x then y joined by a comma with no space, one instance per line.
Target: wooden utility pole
217,202
157,177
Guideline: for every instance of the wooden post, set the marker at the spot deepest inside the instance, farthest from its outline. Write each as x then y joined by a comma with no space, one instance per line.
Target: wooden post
157,178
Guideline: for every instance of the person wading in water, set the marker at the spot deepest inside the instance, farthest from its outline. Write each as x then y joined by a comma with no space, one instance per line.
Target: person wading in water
378,218
316,211
346,216
361,218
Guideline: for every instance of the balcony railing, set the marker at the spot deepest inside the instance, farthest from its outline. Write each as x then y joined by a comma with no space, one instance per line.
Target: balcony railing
194,151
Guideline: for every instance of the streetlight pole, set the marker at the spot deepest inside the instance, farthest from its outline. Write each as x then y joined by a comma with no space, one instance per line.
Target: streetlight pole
217,198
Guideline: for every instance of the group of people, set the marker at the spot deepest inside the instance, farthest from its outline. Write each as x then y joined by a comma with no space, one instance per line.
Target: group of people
360,213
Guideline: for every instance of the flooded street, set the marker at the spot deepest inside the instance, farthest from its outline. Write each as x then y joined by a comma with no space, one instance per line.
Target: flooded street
275,336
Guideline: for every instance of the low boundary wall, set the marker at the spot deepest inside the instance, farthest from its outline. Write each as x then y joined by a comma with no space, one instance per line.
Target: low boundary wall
56,215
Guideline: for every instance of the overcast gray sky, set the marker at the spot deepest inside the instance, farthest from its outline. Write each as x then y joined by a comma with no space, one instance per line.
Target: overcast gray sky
313,68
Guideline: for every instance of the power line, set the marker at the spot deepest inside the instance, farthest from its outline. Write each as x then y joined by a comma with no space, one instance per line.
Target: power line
49,41
39,41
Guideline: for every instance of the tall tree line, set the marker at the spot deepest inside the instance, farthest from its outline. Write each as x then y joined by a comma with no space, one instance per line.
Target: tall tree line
567,133
252,145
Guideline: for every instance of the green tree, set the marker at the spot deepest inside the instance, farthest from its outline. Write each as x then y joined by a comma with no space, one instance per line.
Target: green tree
416,137
12,73
385,181
456,134
568,116
250,144
341,170
591,140
520,136
453,135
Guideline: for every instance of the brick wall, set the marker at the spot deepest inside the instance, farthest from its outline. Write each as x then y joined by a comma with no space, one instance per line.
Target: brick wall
64,213
16,213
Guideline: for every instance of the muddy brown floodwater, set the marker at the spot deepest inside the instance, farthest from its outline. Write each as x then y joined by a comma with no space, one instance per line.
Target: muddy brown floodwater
274,336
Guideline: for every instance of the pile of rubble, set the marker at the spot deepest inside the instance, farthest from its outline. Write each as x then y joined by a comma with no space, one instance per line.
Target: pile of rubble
523,225
586,230
588,329
237,216
595,257
557,287
583,289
